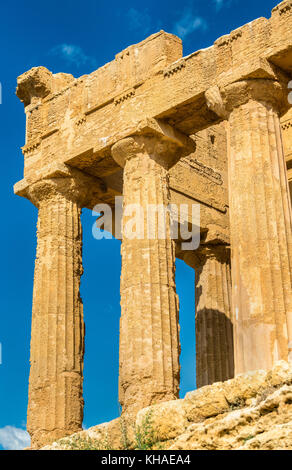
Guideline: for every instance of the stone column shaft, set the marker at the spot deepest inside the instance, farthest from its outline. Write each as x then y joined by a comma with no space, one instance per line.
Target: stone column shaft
149,331
214,322
260,219
55,406
214,327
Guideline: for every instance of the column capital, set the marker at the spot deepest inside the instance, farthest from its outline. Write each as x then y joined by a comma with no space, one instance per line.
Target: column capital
161,150
224,99
60,180
198,257
51,188
154,138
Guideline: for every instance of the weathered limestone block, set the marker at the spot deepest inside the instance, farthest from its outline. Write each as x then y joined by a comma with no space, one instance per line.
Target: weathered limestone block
149,330
55,407
168,419
279,437
266,425
205,402
214,325
243,387
34,84
260,220
251,411
280,374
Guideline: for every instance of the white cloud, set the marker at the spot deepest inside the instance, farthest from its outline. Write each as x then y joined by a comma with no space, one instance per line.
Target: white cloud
221,3
72,54
12,438
188,23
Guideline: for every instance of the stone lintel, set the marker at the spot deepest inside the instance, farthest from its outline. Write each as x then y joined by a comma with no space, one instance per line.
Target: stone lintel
167,48
258,68
155,53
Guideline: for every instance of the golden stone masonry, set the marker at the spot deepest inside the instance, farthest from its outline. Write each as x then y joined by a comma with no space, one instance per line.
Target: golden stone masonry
213,128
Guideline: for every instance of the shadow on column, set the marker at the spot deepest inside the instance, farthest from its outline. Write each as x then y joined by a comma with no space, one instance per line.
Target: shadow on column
214,347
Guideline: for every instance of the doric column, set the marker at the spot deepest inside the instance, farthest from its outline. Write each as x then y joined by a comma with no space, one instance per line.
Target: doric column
55,406
214,323
260,221
149,330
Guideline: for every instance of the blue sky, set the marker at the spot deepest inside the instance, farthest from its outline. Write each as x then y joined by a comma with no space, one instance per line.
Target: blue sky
77,37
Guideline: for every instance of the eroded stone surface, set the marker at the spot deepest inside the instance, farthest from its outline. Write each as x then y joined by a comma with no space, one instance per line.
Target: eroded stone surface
251,412
149,330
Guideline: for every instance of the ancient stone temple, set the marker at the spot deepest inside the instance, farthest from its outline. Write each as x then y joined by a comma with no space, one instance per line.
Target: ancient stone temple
212,129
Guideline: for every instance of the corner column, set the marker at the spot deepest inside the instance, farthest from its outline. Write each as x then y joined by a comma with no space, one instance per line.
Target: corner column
55,406
149,329
214,323
260,221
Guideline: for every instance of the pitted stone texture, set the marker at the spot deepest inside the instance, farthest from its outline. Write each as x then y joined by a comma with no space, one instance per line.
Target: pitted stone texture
266,426
55,405
116,434
251,412
149,330
260,218
273,93
168,419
